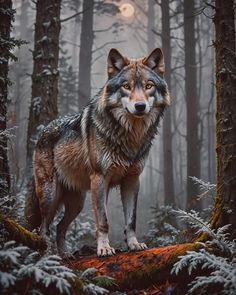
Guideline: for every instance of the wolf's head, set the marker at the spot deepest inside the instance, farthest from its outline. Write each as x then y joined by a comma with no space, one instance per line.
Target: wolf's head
136,87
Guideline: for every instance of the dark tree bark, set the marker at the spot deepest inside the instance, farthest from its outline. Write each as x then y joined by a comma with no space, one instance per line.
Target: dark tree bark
43,106
85,54
6,15
169,193
192,103
225,206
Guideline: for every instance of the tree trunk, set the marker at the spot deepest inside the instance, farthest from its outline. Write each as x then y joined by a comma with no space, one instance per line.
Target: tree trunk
225,206
169,193
43,106
22,68
85,54
192,103
6,15
151,199
150,25
75,23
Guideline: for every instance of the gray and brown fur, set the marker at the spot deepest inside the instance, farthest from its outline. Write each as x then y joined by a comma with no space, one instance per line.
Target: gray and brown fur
103,147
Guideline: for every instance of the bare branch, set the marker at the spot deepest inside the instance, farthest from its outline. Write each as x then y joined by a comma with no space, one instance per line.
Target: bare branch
104,30
108,43
74,15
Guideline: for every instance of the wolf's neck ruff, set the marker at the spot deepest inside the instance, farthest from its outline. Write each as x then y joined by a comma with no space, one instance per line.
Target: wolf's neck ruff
126,136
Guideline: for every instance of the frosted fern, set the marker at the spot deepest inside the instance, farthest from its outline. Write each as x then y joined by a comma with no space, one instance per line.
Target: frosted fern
48,270
6,279
206,188
222,270
218,236
92,289
221,267
19,263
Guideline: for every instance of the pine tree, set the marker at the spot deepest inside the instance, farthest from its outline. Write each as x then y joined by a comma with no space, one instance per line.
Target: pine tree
7,43
85,54
192,103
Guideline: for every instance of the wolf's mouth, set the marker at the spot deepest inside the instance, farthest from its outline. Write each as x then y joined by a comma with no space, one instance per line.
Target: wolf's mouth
136,114
139,114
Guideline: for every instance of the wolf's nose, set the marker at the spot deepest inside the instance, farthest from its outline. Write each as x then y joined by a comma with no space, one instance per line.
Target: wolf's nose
140,106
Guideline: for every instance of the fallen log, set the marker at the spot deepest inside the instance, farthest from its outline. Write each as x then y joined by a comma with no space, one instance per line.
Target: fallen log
133,270
22,235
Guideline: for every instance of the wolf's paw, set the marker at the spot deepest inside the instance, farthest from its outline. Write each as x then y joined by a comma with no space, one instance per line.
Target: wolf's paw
103,246
137,246
105,250
134,245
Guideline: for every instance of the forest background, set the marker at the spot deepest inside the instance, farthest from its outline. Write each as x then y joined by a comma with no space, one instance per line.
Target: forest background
55,69
185,146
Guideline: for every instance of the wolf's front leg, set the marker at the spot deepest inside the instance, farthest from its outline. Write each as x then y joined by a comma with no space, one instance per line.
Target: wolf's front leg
129,195
99,200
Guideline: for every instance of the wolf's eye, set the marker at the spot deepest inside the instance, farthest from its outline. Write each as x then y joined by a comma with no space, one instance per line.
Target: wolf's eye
126,86
149,85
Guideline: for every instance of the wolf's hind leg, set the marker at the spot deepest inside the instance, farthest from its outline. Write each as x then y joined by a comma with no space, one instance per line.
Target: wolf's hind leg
45,187
74,202
129,196
49,204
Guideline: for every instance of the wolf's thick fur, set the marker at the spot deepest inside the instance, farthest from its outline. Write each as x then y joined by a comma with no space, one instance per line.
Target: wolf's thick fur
104,146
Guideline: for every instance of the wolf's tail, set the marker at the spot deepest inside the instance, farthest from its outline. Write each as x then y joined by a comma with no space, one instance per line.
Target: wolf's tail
32,210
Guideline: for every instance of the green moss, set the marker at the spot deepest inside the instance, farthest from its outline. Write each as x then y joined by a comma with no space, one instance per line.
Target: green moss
217,212
76,286
22,235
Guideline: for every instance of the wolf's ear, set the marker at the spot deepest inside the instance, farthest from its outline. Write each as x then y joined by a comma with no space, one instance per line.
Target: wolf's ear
115,62
155,61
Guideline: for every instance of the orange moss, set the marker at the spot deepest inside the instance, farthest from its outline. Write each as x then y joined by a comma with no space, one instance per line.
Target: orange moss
135,269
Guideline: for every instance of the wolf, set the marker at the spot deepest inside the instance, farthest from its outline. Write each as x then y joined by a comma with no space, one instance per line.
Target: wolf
104,146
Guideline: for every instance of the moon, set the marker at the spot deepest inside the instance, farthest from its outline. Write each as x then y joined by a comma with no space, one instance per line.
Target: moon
127,10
